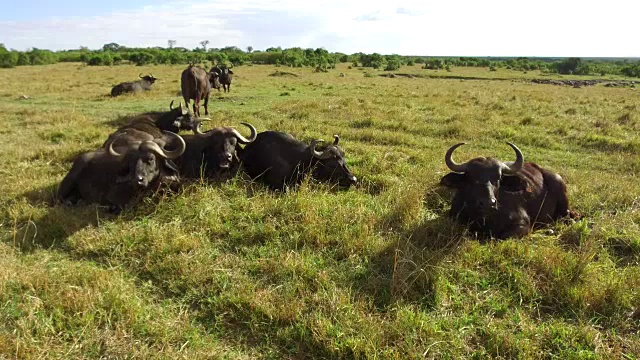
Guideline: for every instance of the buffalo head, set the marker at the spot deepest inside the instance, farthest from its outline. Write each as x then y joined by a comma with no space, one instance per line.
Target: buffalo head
480,180
148,78
148,160
183,119
214,78
331,164
222,143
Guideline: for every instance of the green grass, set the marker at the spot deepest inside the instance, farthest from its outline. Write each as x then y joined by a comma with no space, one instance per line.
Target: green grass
233,271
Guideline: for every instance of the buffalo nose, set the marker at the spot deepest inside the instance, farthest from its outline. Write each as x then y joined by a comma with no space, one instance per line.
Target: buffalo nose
140,179
487,203
229,157
353,179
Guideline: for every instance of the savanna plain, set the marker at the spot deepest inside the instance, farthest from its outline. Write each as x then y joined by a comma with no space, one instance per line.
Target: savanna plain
232,270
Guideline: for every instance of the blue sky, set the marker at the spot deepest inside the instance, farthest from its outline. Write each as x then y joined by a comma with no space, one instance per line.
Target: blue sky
44,9
408,27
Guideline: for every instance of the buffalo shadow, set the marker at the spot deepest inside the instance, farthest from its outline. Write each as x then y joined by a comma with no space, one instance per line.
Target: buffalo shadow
408,267
47,223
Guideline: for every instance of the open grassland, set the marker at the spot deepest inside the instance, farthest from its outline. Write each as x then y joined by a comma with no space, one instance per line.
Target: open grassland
233,271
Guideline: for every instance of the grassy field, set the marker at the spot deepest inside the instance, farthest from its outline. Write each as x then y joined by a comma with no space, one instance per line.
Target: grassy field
233,271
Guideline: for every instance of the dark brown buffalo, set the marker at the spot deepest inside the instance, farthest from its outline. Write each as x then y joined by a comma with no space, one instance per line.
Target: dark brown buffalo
501,199
152,125
224,76
196,84
214,78
212,153
279,160
143,84
113,176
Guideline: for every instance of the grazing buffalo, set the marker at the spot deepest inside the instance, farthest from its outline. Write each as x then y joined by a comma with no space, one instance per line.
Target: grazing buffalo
224,76
211,153
196,84
143,84
505,199
279,160
113,177
152,125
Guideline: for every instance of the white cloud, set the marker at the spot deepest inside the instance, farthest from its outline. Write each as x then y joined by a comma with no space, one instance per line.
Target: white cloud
464,27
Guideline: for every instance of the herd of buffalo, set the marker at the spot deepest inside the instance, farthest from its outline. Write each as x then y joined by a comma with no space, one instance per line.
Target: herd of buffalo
494,198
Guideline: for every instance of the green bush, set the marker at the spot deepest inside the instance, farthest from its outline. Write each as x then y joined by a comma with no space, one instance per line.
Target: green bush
142,58
631,70
8,59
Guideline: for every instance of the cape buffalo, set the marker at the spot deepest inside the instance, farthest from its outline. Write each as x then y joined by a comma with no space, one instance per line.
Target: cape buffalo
152,125
210,153
224,75
196,84
504,199
113,177
279,160
143,84
214,78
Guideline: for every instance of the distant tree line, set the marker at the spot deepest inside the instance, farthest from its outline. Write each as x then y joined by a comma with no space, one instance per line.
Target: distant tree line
320,59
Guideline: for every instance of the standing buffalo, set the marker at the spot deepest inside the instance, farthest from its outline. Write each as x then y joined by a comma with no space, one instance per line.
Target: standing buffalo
196,84
224,76
143,84
505,199
279,160
210,153
113,177
214,78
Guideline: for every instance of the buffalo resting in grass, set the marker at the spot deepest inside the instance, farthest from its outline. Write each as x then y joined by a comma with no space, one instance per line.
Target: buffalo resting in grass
195,83
212,153
143,84
501,199
113,176
280,161
152,125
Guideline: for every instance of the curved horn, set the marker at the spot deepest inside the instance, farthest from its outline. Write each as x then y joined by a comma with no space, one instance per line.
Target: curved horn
112,152
196,128
460,168
177,152
242,139
140,76
171,105
336,138
316,153
514,167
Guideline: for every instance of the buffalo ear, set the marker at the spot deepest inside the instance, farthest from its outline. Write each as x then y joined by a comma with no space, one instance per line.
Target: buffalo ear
230,72
453,180
513,184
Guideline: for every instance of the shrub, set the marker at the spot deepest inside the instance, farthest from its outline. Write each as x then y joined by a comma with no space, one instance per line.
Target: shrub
41,57
141,58
8,59
95,60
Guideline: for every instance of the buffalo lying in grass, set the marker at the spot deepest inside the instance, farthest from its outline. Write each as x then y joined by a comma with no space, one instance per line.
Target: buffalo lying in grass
113,176
505,199
210,153
153,125
279,160
144,84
